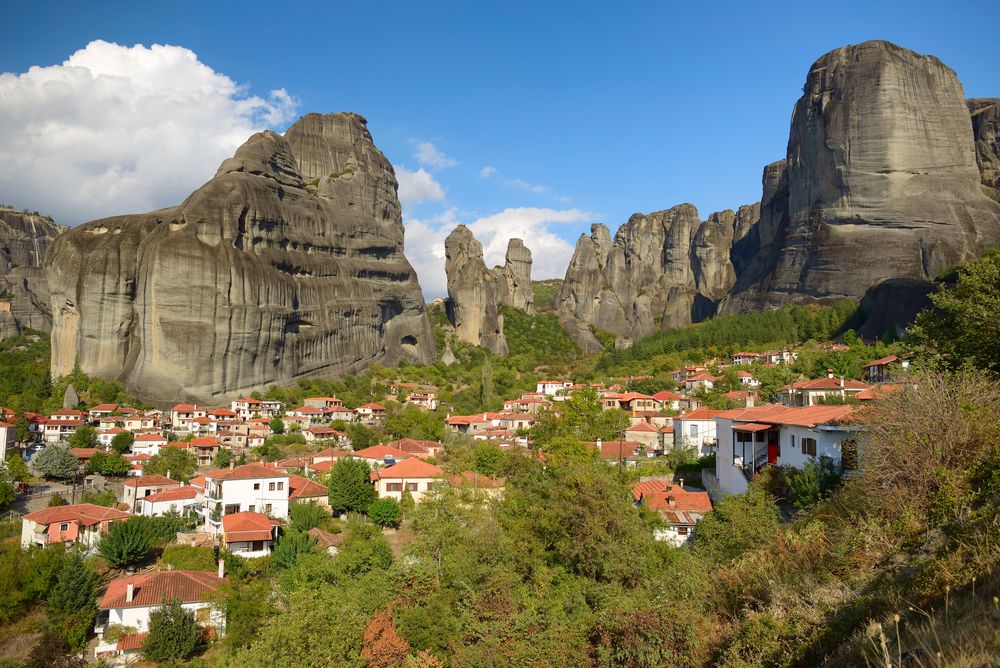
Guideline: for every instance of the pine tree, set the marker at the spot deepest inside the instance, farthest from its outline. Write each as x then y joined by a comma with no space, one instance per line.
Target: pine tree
75,591
173,633
57,462
350,486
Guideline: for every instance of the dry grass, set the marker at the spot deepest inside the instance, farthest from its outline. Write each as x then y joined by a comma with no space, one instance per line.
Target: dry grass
17,639
399,538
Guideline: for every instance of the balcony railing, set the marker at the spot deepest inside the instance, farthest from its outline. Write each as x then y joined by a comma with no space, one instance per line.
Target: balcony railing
41,537
215,496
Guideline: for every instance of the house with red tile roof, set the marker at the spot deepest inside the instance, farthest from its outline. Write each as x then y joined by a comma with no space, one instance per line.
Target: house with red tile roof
330,454
695,430
622,451
97,412
811,392
304,490
313,434
413,474
82,523
371,412
323,402
182,500
249,534
248,488
130,600
136,488
415,448
381,455
669,400
702,379
681,508
148,444
631,402
205,449
878,372
182,414
105,436
57,430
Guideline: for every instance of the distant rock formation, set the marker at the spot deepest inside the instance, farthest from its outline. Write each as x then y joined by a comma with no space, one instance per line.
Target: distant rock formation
893,304
985,113
24,239
71,398
288,263
880,182
474,292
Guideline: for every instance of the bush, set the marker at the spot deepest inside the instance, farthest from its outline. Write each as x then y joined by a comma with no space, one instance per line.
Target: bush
384,512
190,558
127,542
305,516
173,634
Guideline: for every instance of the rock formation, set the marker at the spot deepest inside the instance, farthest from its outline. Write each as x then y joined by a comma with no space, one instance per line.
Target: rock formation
514,278
472,293
985,113
882,181
71,398
893,304
24,239
288,263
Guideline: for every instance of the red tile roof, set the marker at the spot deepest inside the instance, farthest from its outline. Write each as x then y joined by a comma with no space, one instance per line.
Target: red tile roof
699,414
206,442
408,468
326,539
648,487
246,526
826,384
131,642
245,472
684,500
185,408
147,438
413,446
643,427
303,488
374,407
477,480
613,449
667,396
380,452
150,481
86,513
149,589
176,494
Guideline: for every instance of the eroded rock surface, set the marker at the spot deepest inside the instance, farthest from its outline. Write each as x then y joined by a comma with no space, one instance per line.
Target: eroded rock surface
985,113
514,278
24,240
472,293
288,263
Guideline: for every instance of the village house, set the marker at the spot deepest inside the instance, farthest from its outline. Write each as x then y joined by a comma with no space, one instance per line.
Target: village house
313,434
470,424
205,449
130,600
137,462
423,399
614,452
140,424
246,409
139,487
878,370
182,414
747,380
631,402
669,400
98,412
646,434
63,424
744,358
703,379
329,455
517,421
105,436
380,455
8,434
412,474
552,387
371,413
811,392
419,449
251,488
696,430
752,438
249,534
176,499
323,402
82,523
148,444
680,508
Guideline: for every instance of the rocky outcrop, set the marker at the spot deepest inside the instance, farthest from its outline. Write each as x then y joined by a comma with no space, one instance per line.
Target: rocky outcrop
668,266
474,292
893,305
24,240
985,113
882,182
288,263
514,278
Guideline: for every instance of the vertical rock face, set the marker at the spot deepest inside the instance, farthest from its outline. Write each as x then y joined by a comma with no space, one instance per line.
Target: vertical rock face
472,293
669,263
288,263
24,240
985,114
882,180
514,278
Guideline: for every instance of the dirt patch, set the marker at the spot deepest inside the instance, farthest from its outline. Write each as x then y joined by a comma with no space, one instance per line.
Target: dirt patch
397,538
19,638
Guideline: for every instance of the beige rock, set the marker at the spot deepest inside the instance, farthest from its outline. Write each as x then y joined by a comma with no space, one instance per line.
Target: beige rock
472,293
985,113
263,275
514,278
24,239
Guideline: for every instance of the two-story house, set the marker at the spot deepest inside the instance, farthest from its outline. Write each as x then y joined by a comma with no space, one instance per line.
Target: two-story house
249,534
247,488
136,488
82,523
182,414
148,444
412,474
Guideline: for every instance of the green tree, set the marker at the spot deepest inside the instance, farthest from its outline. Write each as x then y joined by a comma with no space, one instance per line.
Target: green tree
85,436
247,605
305,516
738,523
771,380
364,549
278,426
384,511
126,542
429,627
8,492
487,458
115,465
122,442
173,634
56,462
17,468
290,547
350,487
222,458
819,476
23,428
106,498
178,461
72,601
406,503
361,436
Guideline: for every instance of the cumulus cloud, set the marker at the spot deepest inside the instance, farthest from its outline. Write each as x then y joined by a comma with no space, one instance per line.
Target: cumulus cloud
527,186
427,154
485,172
418,186
115,129
550,253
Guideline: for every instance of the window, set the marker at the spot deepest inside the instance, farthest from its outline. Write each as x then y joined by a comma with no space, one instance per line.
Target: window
256,486
694,431
204,614
270,486
682,531
395,487
281,486
252,508
413,486
267,507
809,446
64,526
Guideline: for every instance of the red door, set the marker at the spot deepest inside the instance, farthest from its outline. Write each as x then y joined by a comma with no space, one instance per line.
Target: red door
772,454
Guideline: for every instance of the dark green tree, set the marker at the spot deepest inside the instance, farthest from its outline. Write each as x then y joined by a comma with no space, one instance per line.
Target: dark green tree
85,436
57,462
173,634
72,602
305,516
278,426
364,549
106,498
223,458
127,542
384,512
115,465
23,426
178,461
291,545
350,486
429,627
122,442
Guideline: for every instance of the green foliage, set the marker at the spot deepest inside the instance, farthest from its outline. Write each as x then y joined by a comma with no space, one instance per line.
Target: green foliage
25,380
349,487
364,549
247,606
406,503
106,498
122,442
17,468
73,599
384,512
113,465
305,516
277,426
543,292
85,436
540,337
27,576
291,546
56,500
487,458
180,462
820,476
738,523
127,542
173,634
8,493
429,627
190,558
361,436
56,461
222,458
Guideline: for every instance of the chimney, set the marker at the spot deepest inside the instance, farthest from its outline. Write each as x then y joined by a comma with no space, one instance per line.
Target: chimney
680,481
841,381
222,568
829,373
672,501
168,473
598,443
750,400
232,463
129,592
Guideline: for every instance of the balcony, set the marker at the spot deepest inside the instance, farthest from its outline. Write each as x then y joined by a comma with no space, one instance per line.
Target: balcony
41,537
215,496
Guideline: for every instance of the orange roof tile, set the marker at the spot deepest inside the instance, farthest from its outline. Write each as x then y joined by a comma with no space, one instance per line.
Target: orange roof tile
149,589
246,526
409,468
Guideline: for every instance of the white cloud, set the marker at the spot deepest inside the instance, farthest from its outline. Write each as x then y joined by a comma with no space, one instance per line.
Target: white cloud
427,154
418,186
485,172
527,186
564,200
550,253
117,130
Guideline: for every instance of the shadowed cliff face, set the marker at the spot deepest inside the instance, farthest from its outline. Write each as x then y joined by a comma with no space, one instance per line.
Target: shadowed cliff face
24,240
985,114
472,293
288,263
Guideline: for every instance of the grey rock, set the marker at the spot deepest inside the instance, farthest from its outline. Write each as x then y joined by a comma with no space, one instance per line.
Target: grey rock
472,293
71,398
24,240
579,332
263,275
985,114
448,356
621,343
882,182
513,279
893,305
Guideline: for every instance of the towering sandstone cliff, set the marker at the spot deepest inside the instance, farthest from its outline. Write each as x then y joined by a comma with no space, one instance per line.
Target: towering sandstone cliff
24,240
288,263
474,292
880,182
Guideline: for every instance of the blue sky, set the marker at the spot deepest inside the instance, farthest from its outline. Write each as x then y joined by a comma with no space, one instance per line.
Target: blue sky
584,111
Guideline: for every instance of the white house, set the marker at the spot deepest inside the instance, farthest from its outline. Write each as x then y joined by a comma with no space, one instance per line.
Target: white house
177,499
138,487
413,474
809,392
249,534
129,602
248,488
681,509
696,430
751,438
8,433
182,414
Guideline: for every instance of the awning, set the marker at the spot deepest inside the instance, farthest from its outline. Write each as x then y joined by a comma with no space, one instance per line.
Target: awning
752,426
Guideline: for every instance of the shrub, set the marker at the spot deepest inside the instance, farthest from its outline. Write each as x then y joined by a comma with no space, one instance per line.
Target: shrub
190,558
384,512
173,633
127,542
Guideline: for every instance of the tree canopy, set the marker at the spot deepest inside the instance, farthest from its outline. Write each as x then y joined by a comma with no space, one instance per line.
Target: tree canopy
350,487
